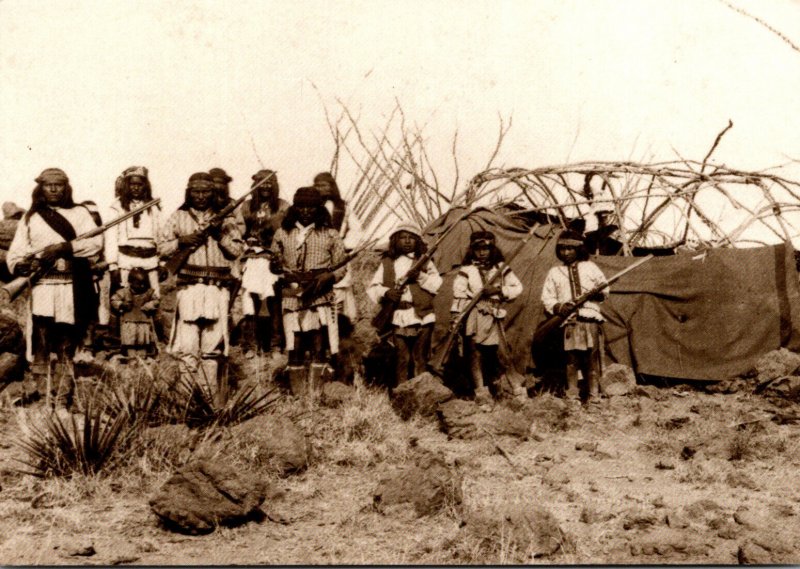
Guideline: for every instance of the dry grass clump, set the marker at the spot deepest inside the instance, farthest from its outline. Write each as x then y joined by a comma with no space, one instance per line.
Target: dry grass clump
364,431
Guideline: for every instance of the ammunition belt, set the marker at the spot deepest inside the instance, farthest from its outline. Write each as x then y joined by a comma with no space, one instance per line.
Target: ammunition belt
138,252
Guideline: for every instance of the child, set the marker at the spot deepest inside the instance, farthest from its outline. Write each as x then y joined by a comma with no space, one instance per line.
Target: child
582,328
136,304
483,331
412,322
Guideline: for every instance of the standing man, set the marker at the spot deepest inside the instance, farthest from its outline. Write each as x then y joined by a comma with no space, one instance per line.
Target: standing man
200,328
222,195
261,299
63,300
132,243
306,249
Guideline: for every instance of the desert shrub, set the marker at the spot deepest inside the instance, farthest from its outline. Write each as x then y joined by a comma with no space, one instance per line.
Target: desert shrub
63,444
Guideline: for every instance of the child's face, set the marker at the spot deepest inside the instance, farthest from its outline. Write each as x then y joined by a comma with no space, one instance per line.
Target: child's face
482,253
406,242
569,253
138,283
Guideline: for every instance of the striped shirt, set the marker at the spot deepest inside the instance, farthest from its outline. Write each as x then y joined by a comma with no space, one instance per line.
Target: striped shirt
306,249
212,253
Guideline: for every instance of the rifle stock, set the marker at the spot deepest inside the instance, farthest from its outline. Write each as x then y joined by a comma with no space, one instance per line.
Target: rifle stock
545,328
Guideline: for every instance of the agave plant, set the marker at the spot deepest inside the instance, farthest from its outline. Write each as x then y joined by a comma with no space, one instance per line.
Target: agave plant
60,446
195,402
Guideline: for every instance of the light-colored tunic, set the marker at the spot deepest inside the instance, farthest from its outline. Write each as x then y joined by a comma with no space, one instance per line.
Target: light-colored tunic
557,289
428,280
52,295
126,234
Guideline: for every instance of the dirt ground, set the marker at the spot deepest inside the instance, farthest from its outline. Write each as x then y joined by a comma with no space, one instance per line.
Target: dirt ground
672,476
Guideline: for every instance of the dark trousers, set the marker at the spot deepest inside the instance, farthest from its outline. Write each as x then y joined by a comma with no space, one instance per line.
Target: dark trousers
311,342
62,339
412,352
264,330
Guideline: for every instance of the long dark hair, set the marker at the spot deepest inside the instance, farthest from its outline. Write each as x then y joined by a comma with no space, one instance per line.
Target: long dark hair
255,203
39,202
125,192
393,252
495,257
321,218
336,196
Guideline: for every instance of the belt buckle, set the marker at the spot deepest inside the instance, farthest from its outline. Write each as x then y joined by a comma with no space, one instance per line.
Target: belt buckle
61,265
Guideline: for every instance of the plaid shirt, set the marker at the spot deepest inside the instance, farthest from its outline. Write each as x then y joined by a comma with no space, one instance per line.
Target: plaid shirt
321,249
212,253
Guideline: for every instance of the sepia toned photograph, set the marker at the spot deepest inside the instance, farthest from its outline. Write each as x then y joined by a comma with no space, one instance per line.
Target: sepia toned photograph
399,283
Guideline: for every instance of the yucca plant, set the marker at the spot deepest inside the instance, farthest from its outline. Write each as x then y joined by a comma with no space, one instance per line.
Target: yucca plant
62,447
194,402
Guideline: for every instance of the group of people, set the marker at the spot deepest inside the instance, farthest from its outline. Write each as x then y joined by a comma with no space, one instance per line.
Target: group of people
288,263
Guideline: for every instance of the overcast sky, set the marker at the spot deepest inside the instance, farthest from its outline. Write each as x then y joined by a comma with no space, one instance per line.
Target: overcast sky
96,86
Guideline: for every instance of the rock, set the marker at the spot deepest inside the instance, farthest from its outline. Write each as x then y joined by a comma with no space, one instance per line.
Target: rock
776,364
649,391
765,551
465,420
12,367
617,379
203,495
744,517
276,441
335,393
677,520
85,549
420,395
738,479
530,532
636,519
784,388
429,484
12,339
701,508
590,515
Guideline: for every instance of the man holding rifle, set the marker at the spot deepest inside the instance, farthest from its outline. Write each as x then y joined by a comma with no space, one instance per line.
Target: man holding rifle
307,251
63,300
200,325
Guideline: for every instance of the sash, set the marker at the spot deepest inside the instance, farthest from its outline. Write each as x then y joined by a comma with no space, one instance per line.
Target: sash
84,295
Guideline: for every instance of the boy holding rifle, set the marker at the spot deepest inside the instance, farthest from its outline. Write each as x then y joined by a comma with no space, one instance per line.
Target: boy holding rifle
583,323
413,318
483,330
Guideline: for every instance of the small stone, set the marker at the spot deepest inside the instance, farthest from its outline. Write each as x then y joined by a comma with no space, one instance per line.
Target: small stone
701,507
661,465
420,395
688,452
658,502
590,446
745,518
677,520
82,550
617,379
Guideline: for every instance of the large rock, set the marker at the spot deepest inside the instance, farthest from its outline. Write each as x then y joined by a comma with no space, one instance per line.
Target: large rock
429,485
617,379
275,441
529,532
204,495
465,420
421,395
11,338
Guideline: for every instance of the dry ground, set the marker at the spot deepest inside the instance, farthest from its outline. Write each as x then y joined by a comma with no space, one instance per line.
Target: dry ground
672,478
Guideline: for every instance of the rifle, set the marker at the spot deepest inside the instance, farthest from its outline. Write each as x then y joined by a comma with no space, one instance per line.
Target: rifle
544,329
438,362
306,279
179,258
15,287
382,321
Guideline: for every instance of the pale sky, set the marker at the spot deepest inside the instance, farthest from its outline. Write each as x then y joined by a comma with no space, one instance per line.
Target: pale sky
94,87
